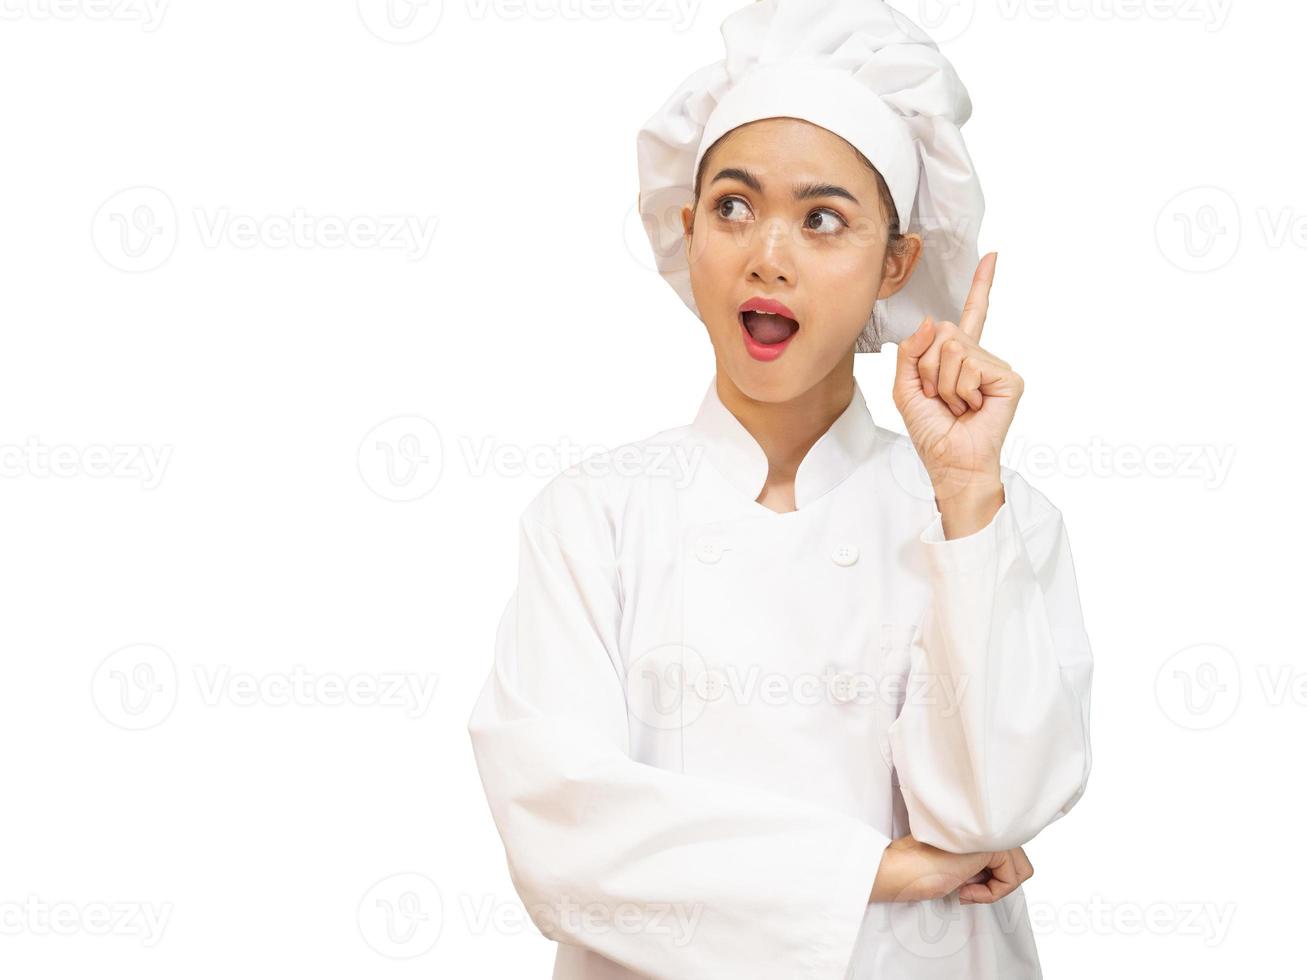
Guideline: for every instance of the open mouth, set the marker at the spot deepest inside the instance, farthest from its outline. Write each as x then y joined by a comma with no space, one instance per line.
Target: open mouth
768,329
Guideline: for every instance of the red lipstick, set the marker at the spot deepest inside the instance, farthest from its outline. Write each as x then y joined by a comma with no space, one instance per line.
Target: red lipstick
767,326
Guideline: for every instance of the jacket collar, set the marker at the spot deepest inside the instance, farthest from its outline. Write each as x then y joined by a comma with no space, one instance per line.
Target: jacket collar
736,454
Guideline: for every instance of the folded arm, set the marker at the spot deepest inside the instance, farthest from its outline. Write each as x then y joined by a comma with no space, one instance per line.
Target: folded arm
998,746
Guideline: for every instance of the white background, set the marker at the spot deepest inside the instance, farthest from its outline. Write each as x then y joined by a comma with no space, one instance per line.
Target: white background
196,503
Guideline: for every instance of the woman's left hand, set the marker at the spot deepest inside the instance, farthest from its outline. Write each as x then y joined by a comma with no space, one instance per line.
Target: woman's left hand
956,398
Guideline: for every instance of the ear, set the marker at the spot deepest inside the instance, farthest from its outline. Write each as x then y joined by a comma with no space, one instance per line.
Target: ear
899,263
687,219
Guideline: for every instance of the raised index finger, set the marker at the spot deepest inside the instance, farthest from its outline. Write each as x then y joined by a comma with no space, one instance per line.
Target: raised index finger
977,305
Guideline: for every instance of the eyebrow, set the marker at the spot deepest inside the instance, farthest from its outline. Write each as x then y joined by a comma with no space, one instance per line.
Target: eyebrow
801,191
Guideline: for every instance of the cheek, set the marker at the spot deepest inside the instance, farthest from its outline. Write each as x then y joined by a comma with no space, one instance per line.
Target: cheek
714,269
844,280
713,249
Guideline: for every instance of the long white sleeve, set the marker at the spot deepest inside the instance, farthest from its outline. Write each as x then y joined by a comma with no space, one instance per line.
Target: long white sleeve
989,768
685,877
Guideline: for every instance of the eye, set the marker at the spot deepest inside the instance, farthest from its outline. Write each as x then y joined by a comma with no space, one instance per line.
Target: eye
832,227
734,214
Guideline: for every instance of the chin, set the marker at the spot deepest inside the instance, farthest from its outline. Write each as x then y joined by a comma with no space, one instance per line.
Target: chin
777,381
807,358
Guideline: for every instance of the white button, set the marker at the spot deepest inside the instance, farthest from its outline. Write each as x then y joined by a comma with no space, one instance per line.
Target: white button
709,550
710,685
844,687
845,554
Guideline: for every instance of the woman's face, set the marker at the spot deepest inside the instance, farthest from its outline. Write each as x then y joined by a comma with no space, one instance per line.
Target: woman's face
787,212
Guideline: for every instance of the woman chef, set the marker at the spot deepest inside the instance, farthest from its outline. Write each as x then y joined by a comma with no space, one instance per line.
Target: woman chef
781,692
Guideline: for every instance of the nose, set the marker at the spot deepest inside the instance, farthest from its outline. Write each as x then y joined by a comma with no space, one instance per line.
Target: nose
770,256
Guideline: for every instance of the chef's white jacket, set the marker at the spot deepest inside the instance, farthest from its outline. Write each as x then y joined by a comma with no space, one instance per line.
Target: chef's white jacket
706,719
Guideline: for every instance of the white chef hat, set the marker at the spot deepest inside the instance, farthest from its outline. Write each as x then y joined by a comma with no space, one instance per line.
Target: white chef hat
863,71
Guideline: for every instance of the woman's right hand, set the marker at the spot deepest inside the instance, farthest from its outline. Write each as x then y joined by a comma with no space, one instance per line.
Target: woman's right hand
911,871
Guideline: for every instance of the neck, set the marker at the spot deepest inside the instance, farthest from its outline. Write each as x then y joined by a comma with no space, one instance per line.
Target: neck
787,429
